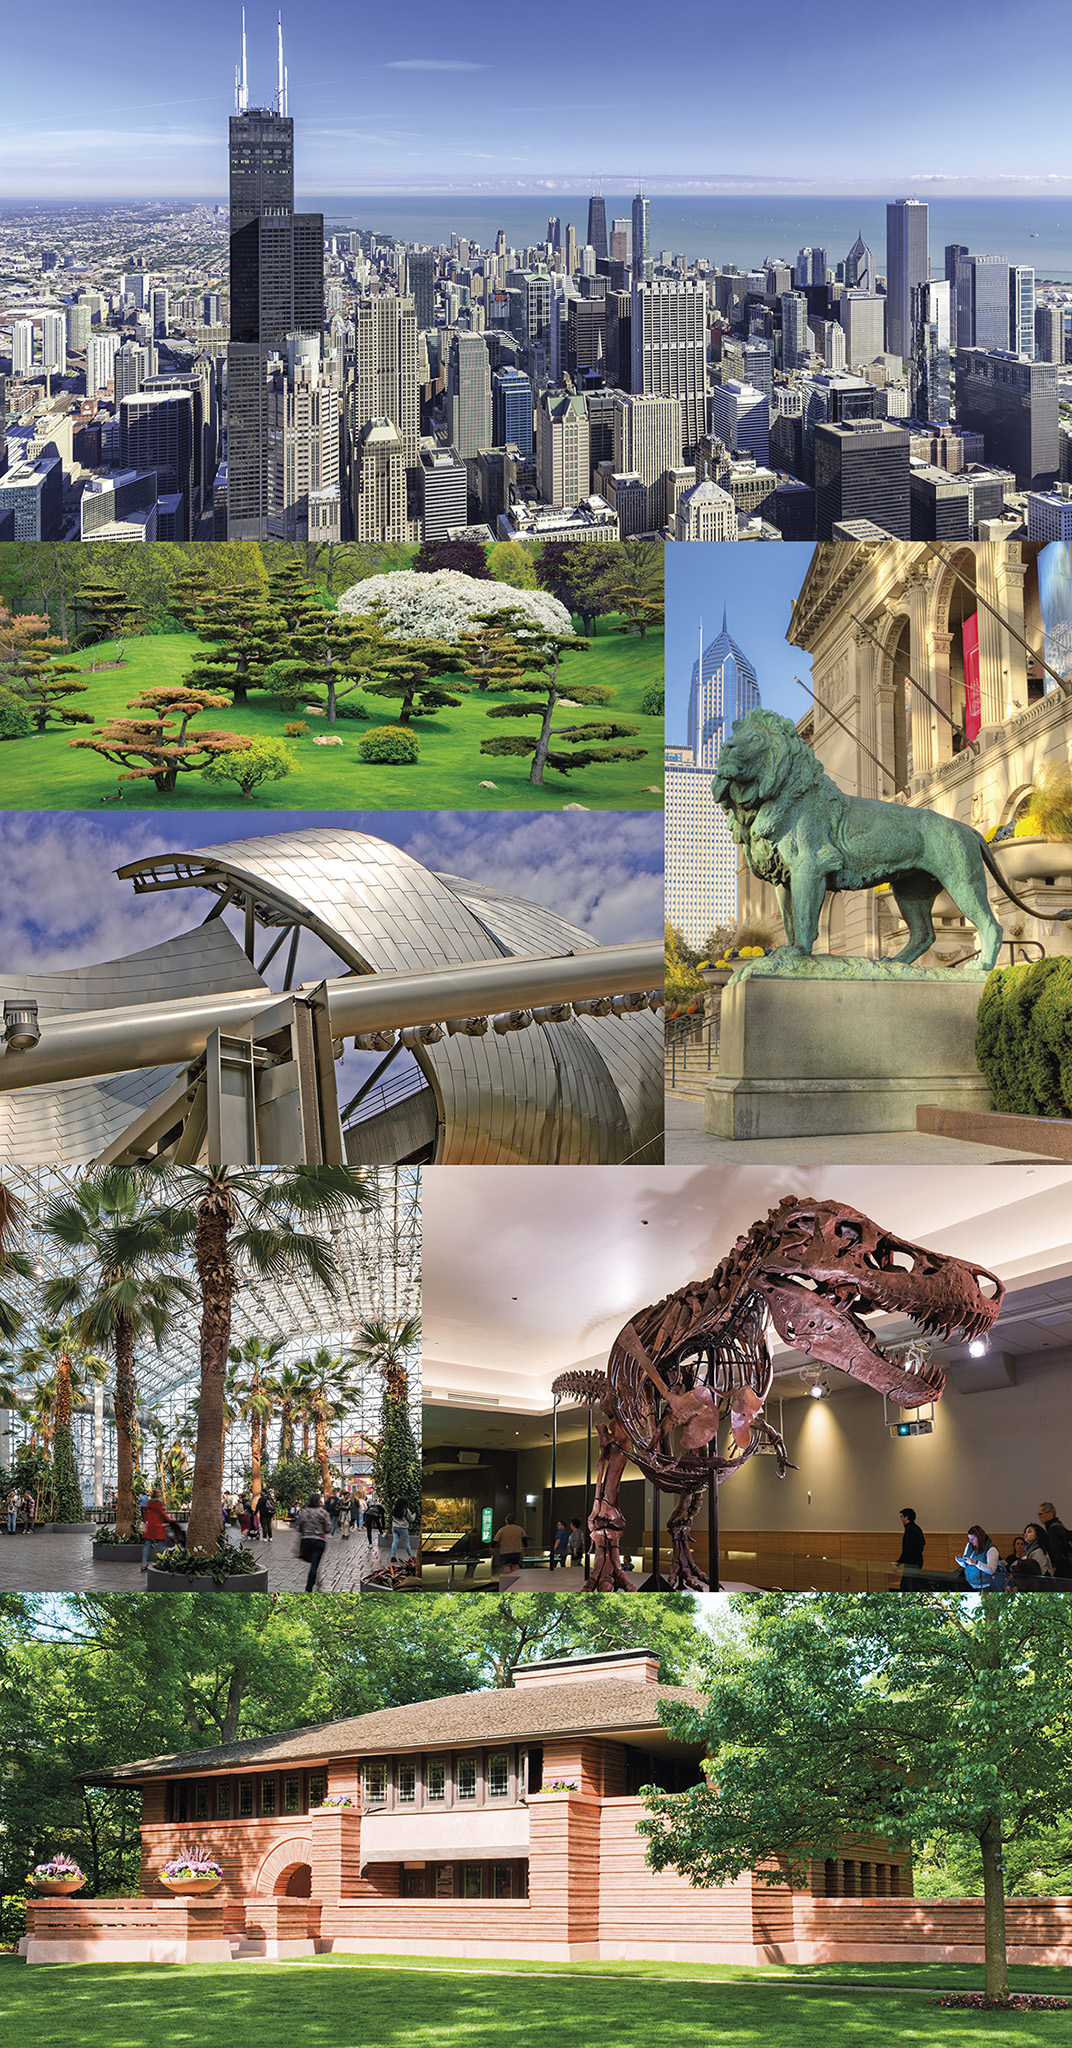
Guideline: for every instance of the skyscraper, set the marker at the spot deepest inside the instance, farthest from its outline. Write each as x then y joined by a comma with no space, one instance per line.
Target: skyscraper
156,431
277,288
469,395
860,274
597,224
862,472
642,266
54,342
563,463
796,342
22,335
932,321
382,384
420,284
511,408
1013,404
907,264
701,859
669,349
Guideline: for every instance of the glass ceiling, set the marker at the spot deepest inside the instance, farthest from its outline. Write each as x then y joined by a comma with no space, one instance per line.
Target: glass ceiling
378,1254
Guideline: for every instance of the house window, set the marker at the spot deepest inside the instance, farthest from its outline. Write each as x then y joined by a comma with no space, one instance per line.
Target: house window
318,1787
444,1881
472,1881
201,1811
375,1777
465,1786
415,1884
535,1770
435,1778
292,1795
502,1881
223,1799
245,1798
499,1774
268,1792
407,1784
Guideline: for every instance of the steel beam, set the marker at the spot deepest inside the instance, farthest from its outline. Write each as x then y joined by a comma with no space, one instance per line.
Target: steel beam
75,1046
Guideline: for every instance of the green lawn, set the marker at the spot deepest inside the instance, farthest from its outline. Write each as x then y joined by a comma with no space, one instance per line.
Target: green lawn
46,773
391,2002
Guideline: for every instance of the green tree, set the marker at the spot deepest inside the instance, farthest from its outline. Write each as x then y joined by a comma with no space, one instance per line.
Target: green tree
106,612
684,982
581,577
387,1349
270,1223
510,561
161,743
538,673
330,1392
14,1264
333,653
63,1367
30,673
120,1291
247,633
884,1717
255,1394
412,675
258,761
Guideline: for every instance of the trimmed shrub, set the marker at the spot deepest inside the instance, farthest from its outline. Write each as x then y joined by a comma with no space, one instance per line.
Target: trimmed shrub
296,730
390,745
350,707
1023,1039
653,702
16,719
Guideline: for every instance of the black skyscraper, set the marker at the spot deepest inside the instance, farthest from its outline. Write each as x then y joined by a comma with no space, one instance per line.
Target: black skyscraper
597,224
862,472
277,288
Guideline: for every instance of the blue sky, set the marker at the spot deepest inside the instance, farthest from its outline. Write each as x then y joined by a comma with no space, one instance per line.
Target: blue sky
127,100
757,582
62,905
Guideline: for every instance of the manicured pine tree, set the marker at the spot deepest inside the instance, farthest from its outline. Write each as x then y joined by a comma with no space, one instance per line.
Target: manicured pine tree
411,674
107,613
157,742
30,672
251,636
540,677
639,610
333,653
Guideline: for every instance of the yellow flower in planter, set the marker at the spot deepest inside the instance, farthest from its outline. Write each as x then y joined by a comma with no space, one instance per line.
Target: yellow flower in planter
1027,827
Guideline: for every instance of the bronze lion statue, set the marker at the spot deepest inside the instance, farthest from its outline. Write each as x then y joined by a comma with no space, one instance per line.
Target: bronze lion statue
802,834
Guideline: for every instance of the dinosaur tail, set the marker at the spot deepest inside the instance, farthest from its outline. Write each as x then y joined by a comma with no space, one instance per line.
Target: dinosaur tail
1045,916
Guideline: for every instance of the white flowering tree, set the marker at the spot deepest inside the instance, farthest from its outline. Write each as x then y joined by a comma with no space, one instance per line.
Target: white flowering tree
443,606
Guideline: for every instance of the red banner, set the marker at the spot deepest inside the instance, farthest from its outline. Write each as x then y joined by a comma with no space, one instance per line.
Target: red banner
973,716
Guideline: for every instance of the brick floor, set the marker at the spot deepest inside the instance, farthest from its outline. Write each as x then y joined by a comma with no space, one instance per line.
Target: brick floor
58,1563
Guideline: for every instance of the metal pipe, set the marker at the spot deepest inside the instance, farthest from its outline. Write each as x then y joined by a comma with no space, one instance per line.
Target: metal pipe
91,1042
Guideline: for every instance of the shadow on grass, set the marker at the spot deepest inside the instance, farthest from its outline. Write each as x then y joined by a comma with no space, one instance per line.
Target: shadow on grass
139,2006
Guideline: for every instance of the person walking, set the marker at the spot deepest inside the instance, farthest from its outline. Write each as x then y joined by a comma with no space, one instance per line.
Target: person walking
375,1522
560,1545
155,1525
510,1541
401,1520
29,1510
265,1512
314,1528
913,1544
575,1542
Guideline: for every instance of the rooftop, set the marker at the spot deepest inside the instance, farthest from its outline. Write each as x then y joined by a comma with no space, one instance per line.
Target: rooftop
545,1700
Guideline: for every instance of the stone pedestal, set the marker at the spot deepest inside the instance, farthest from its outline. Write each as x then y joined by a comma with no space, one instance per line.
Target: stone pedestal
278,1929
801,1057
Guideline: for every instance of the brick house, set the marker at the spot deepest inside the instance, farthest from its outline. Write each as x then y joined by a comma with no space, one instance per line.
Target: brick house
497,1823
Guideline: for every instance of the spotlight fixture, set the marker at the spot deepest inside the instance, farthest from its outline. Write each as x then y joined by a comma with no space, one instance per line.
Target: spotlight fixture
978,1347
21,1029
817,1391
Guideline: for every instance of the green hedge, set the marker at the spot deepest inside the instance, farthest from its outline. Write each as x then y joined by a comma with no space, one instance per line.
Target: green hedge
395,744
1023,1040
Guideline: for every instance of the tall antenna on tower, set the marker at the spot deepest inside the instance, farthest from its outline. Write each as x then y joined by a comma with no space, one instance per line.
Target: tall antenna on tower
279,80
285,93
243,90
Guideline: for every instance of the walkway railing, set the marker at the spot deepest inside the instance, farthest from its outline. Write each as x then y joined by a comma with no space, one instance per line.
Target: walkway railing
691,1047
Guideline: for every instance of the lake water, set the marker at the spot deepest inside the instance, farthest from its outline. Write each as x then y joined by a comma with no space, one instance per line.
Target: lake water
729,230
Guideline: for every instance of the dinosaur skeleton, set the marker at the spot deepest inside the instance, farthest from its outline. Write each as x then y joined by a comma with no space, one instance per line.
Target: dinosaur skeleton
698,1359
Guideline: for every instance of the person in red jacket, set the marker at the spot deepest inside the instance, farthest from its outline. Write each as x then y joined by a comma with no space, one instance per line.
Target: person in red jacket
155,1525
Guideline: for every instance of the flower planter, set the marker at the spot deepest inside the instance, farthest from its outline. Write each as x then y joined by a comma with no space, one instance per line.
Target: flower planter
1034,860
192,1887
117,1553
61,1886
180,1582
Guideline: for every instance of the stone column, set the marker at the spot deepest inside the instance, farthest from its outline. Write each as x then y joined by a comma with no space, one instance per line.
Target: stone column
943,691
1010,584
336,1854
995,678
925,720
564,1871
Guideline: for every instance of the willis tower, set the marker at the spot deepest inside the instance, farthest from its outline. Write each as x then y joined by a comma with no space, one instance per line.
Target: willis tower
277,288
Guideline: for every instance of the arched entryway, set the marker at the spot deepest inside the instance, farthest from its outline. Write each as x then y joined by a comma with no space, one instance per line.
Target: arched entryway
286,1871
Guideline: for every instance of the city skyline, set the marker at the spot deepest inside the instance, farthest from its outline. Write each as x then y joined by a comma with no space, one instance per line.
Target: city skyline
114,132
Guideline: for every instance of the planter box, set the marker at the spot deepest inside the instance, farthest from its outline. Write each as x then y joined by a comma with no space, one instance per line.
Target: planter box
117,1553
176,1582
65,1528
191,1887
1034,860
